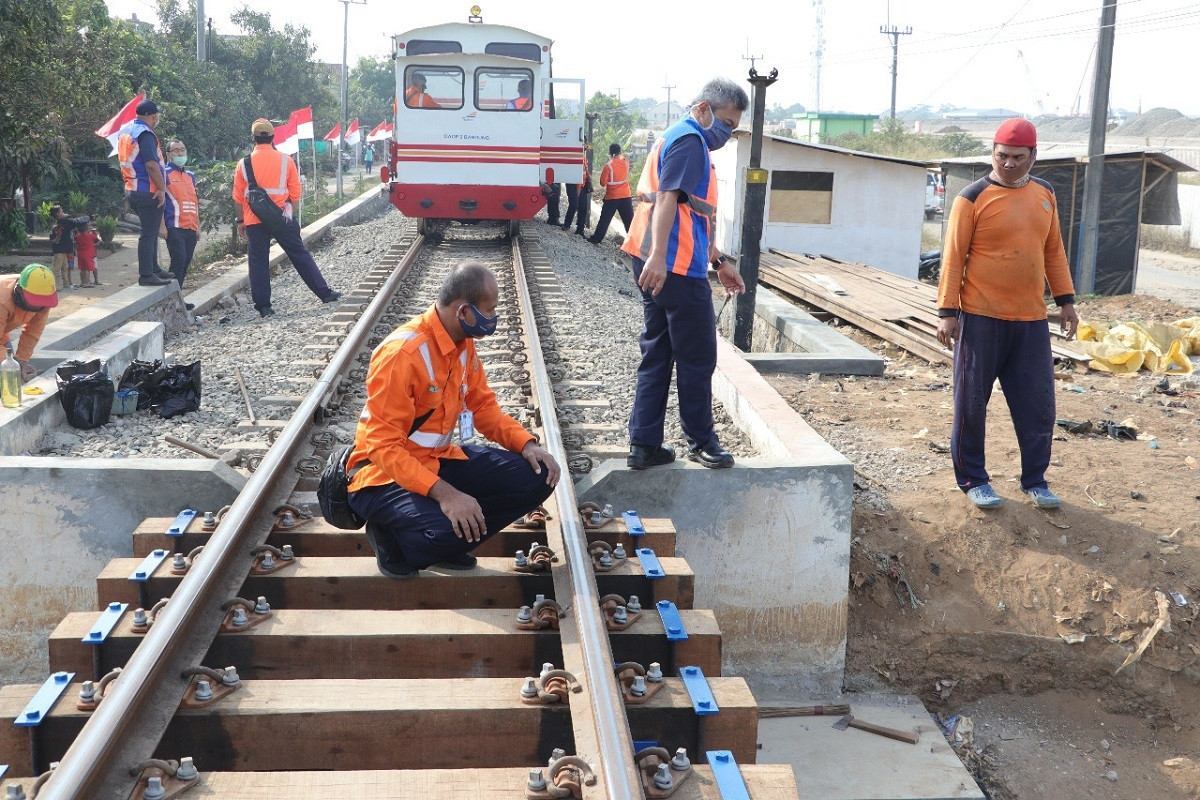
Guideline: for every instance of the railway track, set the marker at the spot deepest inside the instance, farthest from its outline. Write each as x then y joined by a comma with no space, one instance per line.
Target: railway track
329,680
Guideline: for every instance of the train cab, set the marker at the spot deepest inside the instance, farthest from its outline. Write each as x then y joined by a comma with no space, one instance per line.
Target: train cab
480,124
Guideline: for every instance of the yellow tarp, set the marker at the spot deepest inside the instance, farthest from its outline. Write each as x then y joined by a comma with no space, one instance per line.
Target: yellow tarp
1128,347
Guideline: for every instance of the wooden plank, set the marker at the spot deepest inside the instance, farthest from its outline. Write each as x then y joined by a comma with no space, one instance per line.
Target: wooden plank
481,643
319,538
356,583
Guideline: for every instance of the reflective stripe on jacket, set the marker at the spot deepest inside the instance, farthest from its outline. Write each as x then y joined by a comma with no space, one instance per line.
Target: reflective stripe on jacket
416,370
133,168
275,174
688,246
182,210
614,177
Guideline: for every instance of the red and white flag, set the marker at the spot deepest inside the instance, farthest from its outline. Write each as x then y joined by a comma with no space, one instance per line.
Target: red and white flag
332,136
353,135
379,133
302,119
287,140
112,129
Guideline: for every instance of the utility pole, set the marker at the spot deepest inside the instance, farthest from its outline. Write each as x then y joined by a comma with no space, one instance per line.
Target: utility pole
201,44
345,120
754,203
895,33
749,57
669,88
1093,175
619,88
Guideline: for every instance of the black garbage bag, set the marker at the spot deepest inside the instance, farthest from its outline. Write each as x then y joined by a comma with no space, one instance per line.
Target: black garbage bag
175,390
137,377
86,393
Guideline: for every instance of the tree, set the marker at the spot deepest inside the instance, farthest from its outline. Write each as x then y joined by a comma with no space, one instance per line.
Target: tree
371,90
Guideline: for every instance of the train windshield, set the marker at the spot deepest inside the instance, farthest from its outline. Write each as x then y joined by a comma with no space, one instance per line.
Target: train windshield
426,47
433,87
503,89
525,50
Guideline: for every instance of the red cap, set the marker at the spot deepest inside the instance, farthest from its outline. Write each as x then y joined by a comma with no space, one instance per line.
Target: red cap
1016,132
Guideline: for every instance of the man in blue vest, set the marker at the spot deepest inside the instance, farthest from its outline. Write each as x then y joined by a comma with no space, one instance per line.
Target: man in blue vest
141,160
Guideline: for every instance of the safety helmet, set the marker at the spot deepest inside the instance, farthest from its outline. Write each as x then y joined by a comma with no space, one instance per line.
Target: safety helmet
1016,132
37,286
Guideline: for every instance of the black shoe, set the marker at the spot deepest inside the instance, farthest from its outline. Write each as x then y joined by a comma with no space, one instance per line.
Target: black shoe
390,563
152,280
465,561
189,306
565,227
712,455
551,222
332,297
266,312
164,274
643,457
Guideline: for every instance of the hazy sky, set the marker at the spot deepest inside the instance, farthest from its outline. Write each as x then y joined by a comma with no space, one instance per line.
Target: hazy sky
969,53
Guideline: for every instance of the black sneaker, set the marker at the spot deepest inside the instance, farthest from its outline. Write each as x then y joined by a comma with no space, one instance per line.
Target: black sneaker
152,280
390,563
643,457
332,297
712,455
189,306
465,561
266,312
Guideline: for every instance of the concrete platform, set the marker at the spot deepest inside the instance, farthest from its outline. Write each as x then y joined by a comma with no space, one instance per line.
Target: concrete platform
857,765
769,539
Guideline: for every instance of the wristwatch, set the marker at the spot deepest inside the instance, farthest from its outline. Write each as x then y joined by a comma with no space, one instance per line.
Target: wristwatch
719,261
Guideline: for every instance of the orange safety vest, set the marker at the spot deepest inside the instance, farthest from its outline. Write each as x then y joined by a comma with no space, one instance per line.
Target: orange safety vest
687,247
521,103
415,98
133,169
275,174
614,177
182,209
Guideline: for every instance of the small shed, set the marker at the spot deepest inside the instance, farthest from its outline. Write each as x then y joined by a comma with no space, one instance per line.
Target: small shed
826,200
817,126
1138,187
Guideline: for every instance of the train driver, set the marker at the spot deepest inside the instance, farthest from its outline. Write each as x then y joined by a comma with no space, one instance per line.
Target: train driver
415,95
524,99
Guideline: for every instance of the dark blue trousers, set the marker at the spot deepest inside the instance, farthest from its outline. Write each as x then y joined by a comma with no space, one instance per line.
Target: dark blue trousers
680,330
503,483
1018,353
575,202
181,244
623,206
258,249
150,215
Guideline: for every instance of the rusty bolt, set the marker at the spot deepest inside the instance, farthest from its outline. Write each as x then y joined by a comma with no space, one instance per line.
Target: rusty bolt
597,518
530,688
680,761
525,614
606,559
633,606
204,691
262,606
537,781
239,618
654,674
87,692
187,770
268,561
638,689
287,520
287,554
662,777
620,616
154,789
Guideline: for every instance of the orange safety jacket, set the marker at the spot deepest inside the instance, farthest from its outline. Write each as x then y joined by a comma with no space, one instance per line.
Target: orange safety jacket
275,174
12,316
614,177
521,103
182,210
416,370
688,245
415,98
133,168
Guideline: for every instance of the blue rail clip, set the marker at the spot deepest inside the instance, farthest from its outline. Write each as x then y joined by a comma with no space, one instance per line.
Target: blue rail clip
672,622
650,564
148,565
105,623
3,771
181,522
728,775
640,746
44,700
633,524
698,689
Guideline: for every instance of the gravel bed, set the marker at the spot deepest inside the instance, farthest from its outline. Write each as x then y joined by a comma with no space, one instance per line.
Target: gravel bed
596,331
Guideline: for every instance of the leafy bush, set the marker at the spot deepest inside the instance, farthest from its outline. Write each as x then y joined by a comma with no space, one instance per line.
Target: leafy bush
107,195
107,228
44,221
12,228
77,202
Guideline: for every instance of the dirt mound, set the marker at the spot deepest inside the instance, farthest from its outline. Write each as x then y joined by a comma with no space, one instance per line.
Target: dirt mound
1149,123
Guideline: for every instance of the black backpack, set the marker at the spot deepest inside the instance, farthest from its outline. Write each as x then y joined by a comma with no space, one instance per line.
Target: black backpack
261,203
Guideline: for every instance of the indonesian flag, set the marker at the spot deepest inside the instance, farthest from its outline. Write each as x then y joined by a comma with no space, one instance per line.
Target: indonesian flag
112,129
353,135
378,133
332,136
287,140
302,119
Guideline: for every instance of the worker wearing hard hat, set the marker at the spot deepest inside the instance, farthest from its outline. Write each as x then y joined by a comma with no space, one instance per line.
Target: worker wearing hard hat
25,303
1003,246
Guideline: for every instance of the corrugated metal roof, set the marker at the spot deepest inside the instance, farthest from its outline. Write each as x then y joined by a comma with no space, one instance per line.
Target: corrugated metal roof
1164,160
839,150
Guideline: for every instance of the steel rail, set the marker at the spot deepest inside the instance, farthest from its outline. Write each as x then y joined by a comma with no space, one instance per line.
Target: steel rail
88,769
619,778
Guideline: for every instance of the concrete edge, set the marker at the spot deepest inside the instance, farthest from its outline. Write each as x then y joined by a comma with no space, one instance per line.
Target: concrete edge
807,363
76,329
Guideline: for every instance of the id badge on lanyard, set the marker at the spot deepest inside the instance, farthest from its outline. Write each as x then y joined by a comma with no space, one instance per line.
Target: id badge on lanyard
466,424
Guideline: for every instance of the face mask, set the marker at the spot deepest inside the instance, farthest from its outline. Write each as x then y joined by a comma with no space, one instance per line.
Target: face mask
179,160
716,133
484,325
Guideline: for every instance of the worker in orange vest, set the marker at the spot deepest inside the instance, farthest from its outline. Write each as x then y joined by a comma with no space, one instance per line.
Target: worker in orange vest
618,199
276,174
524,99
578,196
141,165
181,214
415,95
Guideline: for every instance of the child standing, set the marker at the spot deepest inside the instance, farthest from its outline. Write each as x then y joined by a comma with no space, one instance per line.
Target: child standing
85,246
62,242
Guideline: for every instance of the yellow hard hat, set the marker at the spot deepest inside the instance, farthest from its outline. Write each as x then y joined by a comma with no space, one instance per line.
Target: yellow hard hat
37,285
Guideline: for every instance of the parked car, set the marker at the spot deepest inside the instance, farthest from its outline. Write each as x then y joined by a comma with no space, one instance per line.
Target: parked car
935,195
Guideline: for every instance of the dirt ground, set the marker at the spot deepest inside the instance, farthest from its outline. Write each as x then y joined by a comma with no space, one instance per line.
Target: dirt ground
1016,619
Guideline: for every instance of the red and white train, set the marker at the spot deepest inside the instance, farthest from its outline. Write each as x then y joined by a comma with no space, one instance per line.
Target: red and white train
476,130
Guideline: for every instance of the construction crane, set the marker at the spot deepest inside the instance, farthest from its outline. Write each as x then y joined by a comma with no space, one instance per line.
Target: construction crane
1037,96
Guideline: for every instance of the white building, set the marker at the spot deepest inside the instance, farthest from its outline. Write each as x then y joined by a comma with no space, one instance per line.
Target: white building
825,200
657,116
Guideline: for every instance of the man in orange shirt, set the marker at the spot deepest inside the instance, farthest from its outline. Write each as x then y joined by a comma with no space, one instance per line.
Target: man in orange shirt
415,95
25,303
427,500
618,199
276,174
1003,245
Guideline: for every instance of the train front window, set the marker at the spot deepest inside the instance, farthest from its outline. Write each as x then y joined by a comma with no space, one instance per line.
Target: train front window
427,47
525,50
501,89
433,87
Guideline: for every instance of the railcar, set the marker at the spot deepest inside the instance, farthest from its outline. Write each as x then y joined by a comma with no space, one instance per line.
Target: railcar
481,123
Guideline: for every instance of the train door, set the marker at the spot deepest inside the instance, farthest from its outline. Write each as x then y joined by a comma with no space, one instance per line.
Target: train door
562,130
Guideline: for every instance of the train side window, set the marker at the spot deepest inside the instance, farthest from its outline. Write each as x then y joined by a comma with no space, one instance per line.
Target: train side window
428,47
504,89
525,50
433,87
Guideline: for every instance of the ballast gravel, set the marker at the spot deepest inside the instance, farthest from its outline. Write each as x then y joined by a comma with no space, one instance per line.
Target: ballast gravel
596,331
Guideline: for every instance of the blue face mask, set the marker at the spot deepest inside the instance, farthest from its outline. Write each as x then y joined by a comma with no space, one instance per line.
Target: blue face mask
716,133
483,326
